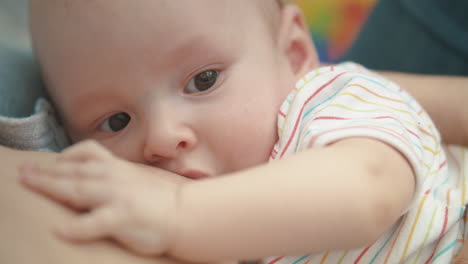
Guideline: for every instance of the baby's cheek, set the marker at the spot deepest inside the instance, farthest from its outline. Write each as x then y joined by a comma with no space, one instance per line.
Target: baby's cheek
121,150
248,153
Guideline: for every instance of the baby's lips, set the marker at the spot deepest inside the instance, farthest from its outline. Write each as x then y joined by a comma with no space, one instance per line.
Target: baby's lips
194,174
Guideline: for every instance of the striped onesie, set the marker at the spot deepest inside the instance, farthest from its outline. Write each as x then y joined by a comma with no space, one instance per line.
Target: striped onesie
346,100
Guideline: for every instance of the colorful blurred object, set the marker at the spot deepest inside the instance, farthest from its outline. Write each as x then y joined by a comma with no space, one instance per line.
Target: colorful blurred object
334,24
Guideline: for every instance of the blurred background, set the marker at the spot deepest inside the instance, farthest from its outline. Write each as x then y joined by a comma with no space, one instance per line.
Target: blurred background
334,24
13,22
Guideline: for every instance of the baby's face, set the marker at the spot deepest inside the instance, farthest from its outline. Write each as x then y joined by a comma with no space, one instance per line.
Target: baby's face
193,87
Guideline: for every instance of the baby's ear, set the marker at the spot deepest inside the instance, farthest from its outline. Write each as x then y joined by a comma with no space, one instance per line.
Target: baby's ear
295,41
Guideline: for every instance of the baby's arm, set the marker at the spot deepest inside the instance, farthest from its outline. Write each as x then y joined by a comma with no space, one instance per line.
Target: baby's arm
445,98
357,188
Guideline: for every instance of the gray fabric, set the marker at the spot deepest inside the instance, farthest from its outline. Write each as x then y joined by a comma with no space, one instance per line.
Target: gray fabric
39,131
27,120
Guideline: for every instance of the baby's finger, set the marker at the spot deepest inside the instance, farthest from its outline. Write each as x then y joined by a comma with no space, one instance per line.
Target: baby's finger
85,151
98,224
145,242
61,185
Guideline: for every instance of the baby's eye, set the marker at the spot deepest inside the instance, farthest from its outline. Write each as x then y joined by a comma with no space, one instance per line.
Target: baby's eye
116,122
201,82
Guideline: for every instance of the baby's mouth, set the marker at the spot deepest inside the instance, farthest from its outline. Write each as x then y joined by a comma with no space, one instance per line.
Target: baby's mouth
194,174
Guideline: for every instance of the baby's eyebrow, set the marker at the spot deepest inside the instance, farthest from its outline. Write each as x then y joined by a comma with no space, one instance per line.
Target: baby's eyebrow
84,97
82,103
193,45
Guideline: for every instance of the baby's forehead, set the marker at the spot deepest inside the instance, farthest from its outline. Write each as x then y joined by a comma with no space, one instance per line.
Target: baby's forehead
262,5
60,15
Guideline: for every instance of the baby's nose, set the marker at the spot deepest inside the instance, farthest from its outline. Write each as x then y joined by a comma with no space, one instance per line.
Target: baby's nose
167,141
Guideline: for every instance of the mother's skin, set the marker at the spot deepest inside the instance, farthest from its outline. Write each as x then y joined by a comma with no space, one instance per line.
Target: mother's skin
27,219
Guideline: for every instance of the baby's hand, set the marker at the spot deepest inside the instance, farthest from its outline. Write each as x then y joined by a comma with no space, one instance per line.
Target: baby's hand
132,204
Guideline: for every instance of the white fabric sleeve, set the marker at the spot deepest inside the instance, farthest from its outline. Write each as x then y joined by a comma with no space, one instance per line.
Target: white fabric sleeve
345,101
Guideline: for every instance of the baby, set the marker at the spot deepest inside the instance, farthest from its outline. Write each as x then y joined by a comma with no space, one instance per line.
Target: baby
323,165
